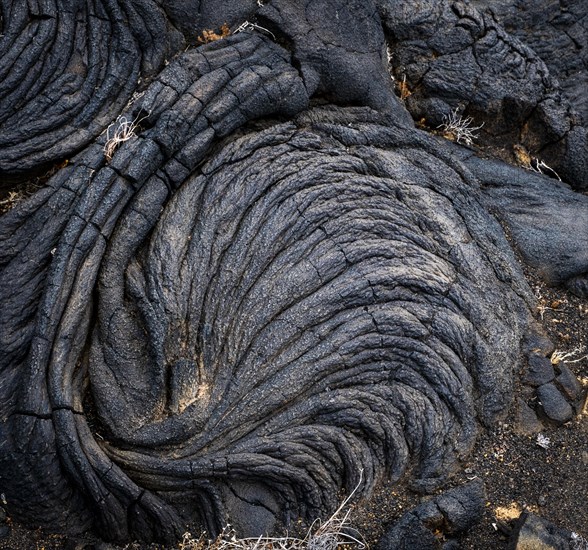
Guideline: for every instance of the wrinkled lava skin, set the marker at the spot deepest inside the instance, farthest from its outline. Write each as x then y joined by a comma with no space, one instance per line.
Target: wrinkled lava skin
278,287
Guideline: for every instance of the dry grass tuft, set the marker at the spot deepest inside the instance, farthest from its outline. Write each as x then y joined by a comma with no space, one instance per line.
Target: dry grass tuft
118,132
457,128
334,534
571,356
12,198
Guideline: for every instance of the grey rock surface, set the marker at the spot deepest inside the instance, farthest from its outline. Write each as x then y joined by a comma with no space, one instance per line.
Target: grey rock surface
455,58
540,370
526,419
558,33
429,524
533,532
569,384
554,404
272,288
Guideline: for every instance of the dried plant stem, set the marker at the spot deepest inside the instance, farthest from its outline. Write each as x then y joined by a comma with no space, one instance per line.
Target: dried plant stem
333,534
460,129
118,132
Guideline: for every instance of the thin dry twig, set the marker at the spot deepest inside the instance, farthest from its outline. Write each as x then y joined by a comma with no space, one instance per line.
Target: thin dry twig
567,356
249,26
541,167
403,88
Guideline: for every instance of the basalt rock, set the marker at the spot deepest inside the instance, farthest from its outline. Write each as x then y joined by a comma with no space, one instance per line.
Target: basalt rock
558,33
452,58
533,532
254,283
431,524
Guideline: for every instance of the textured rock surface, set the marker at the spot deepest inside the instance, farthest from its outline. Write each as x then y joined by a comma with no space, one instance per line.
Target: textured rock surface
558,33
275,282
452,56
536,533
430,524
554,404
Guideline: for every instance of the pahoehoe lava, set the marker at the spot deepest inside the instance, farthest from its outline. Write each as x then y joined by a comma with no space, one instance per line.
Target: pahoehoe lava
277,288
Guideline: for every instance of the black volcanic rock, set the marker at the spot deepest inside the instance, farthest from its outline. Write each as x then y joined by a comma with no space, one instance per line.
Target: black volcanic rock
255,284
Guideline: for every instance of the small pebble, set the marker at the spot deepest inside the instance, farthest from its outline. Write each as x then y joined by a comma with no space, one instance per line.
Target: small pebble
554,403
